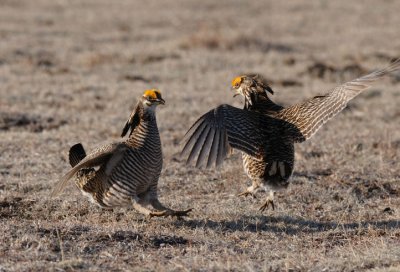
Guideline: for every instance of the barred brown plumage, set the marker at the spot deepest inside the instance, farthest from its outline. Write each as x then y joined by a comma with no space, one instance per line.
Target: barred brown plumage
266,132
128,171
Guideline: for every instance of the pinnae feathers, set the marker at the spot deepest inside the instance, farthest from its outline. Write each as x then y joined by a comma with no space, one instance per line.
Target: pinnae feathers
133,121
125,130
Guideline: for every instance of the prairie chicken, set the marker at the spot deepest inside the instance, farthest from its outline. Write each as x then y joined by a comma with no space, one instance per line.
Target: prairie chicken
127,171
266,132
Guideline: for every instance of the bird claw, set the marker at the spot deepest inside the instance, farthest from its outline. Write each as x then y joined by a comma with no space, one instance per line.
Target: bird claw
266,205
246,193
167,213
181,213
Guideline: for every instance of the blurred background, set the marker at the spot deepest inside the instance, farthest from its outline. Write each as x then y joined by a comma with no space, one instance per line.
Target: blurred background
70,71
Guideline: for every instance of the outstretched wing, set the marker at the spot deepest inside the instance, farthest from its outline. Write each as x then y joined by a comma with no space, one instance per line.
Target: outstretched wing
310,115
214,134
110,154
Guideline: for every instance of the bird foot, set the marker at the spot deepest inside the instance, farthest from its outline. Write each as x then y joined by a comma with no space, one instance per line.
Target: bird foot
167,213
247,193
266,205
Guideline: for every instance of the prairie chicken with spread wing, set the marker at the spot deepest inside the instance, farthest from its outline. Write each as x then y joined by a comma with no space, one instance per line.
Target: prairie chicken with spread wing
266,132
127,171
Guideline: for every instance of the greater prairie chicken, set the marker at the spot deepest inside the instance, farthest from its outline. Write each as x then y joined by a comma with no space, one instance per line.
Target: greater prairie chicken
266,132
126,172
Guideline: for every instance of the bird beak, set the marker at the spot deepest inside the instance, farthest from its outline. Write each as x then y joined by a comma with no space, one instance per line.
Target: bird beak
161,101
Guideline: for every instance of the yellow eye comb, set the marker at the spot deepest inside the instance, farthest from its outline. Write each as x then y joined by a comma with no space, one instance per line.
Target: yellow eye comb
152,93
236,81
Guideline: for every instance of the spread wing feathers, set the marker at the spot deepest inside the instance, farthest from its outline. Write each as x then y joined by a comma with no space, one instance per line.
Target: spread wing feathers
214,134
105,154
310,115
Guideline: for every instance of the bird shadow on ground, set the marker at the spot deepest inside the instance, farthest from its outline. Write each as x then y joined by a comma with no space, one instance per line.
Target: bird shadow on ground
285,225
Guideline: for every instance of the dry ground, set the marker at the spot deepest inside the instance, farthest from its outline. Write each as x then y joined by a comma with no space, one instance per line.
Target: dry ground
70,71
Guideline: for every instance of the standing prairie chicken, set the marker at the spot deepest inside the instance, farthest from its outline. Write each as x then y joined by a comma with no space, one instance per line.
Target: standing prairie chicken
127,171
266,132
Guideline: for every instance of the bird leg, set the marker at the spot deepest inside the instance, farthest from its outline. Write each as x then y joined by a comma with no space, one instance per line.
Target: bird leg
251,190
268,201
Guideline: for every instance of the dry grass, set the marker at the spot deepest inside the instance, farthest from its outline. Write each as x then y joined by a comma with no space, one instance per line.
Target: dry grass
70,72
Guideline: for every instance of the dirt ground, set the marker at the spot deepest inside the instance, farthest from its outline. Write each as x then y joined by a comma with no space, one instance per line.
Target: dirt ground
70,71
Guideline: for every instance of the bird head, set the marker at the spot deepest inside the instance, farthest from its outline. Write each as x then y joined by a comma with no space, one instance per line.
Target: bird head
144,107
250,86
238,84
151,98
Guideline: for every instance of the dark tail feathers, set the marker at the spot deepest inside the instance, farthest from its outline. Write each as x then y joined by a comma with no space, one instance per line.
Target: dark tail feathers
76,154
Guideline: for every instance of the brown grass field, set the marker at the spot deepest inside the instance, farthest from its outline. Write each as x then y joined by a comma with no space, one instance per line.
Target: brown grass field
70,71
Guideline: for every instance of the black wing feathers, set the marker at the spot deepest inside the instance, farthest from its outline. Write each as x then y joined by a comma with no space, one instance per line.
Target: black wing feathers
214,134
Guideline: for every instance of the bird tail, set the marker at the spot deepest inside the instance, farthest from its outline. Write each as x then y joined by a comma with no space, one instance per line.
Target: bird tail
76,154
